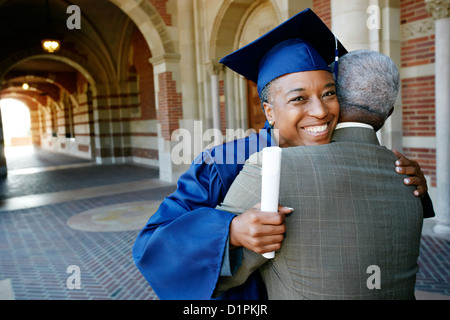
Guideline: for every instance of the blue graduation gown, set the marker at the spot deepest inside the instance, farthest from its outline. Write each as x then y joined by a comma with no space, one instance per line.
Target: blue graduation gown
181,248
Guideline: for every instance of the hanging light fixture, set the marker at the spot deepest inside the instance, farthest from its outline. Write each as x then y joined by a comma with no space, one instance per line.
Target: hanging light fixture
25,86
50,44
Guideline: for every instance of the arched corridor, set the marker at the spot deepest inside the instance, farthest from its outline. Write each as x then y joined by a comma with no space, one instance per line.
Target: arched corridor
95,97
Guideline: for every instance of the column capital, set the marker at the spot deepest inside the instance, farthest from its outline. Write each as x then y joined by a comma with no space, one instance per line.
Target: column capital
439,9
165,58
214,68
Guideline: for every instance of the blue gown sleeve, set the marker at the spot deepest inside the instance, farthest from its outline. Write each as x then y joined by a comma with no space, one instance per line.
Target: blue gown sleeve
428,209
180,250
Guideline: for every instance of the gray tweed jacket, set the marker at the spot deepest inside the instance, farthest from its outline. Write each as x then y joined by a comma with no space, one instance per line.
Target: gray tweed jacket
355,232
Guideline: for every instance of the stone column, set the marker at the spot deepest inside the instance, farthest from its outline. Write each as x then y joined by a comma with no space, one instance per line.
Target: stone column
188,64
169,106
349,23
214,69
104,153
391,135
440,10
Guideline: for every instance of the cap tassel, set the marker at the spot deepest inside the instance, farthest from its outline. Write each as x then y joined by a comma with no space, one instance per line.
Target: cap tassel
336,59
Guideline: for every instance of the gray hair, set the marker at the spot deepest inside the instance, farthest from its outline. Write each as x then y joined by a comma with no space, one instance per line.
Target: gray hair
266,93
367,87
265,96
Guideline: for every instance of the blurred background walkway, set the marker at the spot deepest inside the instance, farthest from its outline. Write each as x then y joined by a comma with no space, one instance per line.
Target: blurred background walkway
57,211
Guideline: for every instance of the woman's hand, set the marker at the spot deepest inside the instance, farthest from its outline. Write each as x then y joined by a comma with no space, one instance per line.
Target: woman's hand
259,231
411,168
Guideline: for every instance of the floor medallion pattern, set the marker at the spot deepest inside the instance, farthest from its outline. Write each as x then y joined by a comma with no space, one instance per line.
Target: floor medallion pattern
120,217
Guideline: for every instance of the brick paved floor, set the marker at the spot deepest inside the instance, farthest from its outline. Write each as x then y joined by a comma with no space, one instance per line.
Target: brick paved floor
37,246
434,262
75,178
31,157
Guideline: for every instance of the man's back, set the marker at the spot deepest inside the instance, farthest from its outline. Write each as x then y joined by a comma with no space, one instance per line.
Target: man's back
354,220
356,226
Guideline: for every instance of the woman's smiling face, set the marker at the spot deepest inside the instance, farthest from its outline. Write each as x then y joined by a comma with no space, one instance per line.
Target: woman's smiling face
304,108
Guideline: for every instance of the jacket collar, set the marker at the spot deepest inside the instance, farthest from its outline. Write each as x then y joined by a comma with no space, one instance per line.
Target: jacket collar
355,134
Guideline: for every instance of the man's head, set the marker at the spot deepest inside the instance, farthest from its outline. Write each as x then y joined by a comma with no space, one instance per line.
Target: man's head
367,87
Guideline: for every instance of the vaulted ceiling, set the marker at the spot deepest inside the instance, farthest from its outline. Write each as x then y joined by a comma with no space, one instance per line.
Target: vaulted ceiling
94,50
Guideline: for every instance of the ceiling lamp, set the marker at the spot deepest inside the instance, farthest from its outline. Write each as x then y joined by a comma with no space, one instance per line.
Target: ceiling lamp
50,43
25,86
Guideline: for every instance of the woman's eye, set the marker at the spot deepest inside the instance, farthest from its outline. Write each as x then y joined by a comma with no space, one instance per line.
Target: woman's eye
300,98
329,94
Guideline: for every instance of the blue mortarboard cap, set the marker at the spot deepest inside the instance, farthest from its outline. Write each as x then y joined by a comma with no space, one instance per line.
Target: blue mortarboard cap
302,43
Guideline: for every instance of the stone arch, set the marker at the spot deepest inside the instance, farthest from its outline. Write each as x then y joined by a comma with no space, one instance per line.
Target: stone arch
150,23
46,78
32,103
24,98
22,115
93,79
258,21
65,57
36,53
229,24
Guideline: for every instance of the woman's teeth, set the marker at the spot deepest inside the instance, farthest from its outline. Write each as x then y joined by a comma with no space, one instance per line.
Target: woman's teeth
317,129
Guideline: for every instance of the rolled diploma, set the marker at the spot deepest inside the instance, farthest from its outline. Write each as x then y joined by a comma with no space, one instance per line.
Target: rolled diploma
270,188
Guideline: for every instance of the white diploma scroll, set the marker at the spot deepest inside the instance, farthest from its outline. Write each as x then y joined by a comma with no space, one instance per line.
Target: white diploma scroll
270,188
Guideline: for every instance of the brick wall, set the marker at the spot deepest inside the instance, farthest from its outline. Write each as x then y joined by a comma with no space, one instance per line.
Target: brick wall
170,109
417,51
144,71
412,10
323,10
83,122
161,7
427,160
418,106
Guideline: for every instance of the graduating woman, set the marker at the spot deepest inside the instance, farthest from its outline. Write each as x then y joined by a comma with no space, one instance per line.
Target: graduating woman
187,244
